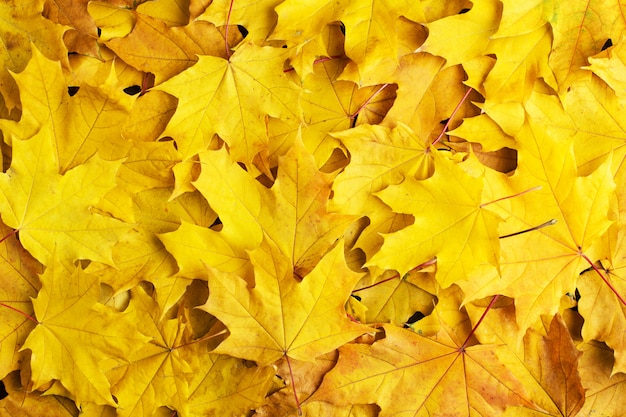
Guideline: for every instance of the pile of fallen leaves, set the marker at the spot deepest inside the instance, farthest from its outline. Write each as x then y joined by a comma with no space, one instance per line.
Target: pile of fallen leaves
332,208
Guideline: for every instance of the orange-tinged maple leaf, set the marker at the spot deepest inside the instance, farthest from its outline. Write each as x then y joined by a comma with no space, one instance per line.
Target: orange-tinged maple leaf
81,37
43,223
154,47
447,205
17,286
426,94
281,316
552,361
21,403
603,388
76,338
408,374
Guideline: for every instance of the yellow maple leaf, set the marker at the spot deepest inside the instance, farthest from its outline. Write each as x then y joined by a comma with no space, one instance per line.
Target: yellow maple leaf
292,213
76,338
258,17
81,125
469,32
575,212
165,371
281,316
216,97
43,223
21,27
441,213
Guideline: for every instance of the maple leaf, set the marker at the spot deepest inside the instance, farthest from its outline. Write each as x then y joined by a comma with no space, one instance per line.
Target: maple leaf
260,180
408,373
509,81
394,301
154,47
575,210
604,314
595,138
373,49
80,37
281,316
22,23
379,156
165,371
551,359
258,17
579,32
334,105
22,403
248,210
42,223
459,210
423,108
76,338
19,284
609,66
81,125
212,101
469,32
601,385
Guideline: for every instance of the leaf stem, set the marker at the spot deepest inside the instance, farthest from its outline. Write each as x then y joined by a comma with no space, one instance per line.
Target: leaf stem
377,92
606,281
541,226
28,316
376,283
469,336
293,386
230,9
13,232
458,106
